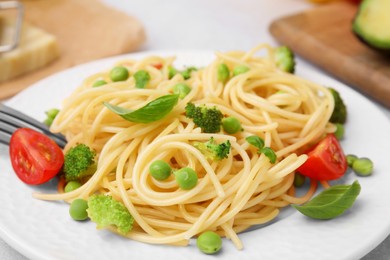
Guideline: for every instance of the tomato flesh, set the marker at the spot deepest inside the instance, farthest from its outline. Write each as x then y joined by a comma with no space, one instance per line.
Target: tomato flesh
157,65
35,157
326,161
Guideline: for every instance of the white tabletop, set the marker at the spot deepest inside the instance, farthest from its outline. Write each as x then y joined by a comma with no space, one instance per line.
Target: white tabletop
209,25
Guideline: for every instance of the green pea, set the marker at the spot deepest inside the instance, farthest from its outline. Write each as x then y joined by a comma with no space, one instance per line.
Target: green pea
231,125
72,185
363,166
160,170
186,178
171,72
48,121
119,73
209,242
240,69
52,113
299,180
78,209
350,159
223,72
339,131
99,83
181,89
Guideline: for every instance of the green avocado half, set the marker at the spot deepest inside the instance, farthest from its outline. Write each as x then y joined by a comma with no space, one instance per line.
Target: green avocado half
372,24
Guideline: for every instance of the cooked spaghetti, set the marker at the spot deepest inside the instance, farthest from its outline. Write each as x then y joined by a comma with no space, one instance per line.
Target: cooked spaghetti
233,194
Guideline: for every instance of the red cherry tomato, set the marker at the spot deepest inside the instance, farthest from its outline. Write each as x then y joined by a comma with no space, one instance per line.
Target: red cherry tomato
326,161
34,156
157,65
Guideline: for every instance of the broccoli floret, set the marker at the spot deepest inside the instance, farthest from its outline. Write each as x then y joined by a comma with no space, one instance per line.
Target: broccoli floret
105,211
208,119
285,59
212,150
339,114
79,163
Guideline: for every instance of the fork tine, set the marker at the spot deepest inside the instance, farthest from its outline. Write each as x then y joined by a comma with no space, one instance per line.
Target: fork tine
11,119
23,118
6,131
6,128
4,137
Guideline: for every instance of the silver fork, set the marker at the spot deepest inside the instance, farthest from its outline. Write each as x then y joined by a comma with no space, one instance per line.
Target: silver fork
12,119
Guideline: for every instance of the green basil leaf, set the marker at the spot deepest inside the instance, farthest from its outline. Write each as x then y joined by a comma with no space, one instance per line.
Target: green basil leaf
267,151
153,111
187,72
171,72
332,202
255,141
142,78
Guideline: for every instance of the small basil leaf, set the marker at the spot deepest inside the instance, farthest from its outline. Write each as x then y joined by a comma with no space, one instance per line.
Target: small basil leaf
171,72
187,72
142,78
255,141
267,151
332,202
153,111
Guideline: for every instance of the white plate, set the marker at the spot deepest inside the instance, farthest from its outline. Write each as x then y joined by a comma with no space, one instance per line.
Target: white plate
44,230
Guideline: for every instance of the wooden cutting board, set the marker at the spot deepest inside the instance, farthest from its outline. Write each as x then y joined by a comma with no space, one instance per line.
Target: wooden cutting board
85,29
323,36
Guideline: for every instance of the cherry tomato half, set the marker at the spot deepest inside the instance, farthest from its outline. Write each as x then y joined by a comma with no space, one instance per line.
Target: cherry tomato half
157,65
326,161
34,156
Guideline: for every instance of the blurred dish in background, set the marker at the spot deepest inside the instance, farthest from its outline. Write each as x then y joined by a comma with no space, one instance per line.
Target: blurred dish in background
24,47
85,30
15,9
